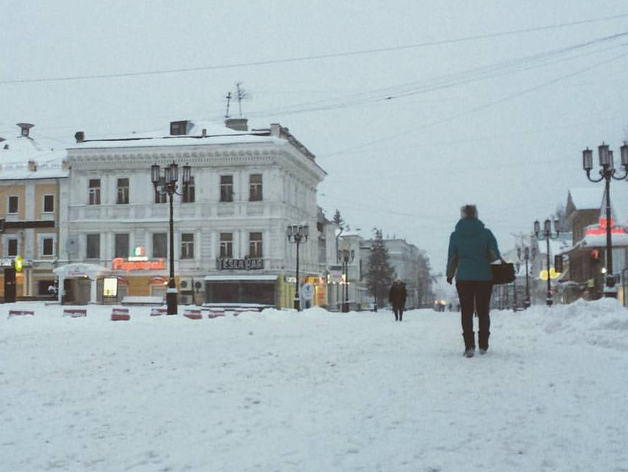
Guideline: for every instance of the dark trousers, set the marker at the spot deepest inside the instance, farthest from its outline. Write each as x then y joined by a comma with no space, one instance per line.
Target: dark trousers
475,296
398,311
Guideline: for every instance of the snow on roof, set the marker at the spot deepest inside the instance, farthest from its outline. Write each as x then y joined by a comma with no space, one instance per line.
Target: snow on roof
599,240
587,198
591,198
198,133
25,158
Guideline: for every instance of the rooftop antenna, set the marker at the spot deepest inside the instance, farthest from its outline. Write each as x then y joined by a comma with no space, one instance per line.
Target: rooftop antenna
241,94
228,97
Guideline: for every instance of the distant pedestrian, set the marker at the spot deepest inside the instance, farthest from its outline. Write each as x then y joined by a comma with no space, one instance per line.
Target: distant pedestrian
397,297
472,248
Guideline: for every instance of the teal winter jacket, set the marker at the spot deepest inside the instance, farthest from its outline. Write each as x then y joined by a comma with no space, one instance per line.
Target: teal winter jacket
472,248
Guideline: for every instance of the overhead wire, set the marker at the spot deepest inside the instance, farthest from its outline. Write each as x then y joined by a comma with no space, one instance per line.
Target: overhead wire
314,57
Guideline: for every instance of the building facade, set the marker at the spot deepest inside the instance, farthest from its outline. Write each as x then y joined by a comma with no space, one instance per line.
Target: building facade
229,223
31,175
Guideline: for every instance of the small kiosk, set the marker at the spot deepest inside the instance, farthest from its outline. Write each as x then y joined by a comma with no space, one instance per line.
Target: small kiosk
78,283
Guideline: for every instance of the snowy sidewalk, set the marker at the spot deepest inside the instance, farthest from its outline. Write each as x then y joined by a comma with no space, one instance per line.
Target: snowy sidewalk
315,391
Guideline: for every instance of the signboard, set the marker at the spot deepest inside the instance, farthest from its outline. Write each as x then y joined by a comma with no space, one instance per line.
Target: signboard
129,264
240,264
110,287
307,291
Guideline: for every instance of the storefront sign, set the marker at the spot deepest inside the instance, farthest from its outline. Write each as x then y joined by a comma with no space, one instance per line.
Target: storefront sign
126,264
240,264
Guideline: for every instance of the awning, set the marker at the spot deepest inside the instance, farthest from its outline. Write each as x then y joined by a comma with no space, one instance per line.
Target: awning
80,270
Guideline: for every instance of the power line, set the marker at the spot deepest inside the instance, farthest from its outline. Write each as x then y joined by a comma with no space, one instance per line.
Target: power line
316,57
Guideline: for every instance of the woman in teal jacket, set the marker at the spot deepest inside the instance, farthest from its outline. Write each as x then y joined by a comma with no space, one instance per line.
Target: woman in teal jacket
472,248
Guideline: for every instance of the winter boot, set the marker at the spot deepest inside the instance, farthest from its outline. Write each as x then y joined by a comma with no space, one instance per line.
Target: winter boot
469,344
483,341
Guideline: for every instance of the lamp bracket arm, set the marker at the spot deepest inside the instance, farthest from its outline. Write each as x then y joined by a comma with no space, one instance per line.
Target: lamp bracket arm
623,177
595,180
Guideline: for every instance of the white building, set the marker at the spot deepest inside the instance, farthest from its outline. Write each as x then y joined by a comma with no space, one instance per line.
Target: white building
229,225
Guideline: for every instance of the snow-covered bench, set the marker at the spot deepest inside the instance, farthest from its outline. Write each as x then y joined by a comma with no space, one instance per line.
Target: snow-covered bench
21,313
120,314
75,312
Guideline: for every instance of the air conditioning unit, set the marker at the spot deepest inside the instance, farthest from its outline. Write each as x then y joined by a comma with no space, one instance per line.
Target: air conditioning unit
186,284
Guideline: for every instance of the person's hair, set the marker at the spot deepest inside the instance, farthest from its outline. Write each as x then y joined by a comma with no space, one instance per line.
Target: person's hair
468,211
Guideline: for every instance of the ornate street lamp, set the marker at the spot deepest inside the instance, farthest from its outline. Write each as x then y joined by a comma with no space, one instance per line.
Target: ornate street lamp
296,234
547,235
607,172
346,256
526,255
167,183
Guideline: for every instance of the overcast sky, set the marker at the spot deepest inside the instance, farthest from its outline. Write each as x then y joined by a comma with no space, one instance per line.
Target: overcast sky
444,102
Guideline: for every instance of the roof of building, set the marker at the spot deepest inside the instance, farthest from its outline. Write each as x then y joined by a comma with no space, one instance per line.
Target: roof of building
23,157
592,198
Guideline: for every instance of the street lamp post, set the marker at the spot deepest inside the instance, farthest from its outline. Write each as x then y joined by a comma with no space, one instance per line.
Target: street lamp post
167,183
296,234
607,172
527,255
547,235
346,256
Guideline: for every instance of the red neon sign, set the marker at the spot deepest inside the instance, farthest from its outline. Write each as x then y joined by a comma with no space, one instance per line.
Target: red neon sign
601,229
123,264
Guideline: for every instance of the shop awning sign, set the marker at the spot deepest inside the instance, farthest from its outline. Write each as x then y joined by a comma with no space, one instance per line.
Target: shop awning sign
247,263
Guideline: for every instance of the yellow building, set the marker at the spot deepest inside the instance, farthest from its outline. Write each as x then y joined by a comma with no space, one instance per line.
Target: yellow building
30,175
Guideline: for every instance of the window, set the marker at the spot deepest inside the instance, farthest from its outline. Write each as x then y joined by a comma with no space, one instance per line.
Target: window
47,247
49,203
160,196
94,191
123,191
188,195
187,246
12,247
122,245
255,187
226,188
226,245
255,245
160,245
93,246
13,204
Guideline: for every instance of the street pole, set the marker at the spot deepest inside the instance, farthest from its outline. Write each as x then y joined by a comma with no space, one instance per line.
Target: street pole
172,293
547,235
296,234
607,172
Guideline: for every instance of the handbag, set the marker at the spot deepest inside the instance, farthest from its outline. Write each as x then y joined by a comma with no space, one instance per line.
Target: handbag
503,273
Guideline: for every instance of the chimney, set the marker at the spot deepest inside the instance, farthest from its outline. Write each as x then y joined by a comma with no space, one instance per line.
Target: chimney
237,124
25,127
32,166
275,130
79,136
204,132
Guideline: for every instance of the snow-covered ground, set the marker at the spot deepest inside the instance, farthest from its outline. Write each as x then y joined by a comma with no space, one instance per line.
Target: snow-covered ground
314,391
